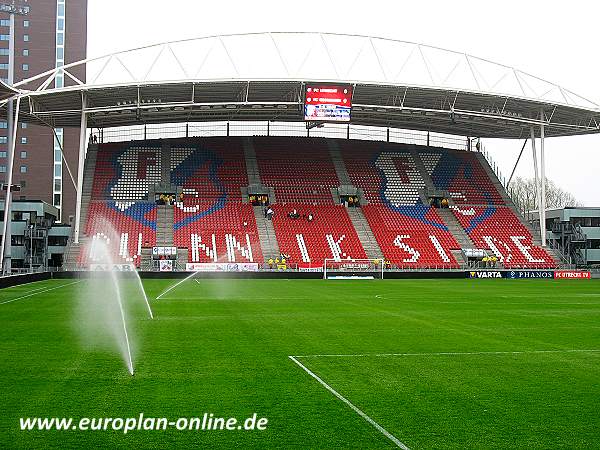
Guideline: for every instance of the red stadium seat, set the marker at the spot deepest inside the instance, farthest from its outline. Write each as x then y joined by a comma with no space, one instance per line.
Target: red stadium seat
330,235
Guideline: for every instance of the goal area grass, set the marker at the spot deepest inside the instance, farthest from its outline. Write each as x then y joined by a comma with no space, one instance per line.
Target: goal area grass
433,363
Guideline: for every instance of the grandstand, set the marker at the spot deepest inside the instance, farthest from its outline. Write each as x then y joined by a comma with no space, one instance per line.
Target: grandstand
215,222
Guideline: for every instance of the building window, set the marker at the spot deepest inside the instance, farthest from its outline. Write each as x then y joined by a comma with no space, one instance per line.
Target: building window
60,24
60,53
26,23
3,139
60,39
4,23
4,52
57,171
57,185
3,66
56,199
25,52
25,67
23,169
23,154
23,140
23,184
3,124
3,154
25,38
4,37
3,170
23,124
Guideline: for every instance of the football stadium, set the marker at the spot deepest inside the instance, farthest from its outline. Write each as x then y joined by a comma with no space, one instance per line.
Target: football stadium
303,246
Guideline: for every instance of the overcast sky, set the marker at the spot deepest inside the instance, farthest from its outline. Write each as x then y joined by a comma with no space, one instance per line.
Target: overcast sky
552,39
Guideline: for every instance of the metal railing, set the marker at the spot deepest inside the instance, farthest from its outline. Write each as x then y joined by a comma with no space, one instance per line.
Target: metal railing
290,129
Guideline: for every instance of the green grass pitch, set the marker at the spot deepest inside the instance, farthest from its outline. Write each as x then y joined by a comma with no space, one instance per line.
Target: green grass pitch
436,364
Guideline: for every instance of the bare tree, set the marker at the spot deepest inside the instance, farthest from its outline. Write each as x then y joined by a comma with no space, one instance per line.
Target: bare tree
523,192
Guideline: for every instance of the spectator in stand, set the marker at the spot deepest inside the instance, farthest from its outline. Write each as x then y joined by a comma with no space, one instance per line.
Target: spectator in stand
270,262
310,217
181,197
294,214
444,203
270,213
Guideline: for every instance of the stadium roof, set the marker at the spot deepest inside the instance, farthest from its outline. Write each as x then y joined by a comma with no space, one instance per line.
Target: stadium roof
262,76
6,91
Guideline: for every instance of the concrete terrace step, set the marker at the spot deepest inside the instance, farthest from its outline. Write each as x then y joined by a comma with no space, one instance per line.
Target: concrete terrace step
164,225
365,234
455,228
266,234
338,162
251,163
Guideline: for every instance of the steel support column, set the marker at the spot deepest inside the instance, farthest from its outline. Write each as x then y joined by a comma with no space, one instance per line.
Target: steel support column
6,241
543,183
536,178
80,167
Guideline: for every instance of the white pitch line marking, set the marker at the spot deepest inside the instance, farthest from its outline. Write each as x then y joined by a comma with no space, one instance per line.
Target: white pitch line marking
39,292
382,430
524,352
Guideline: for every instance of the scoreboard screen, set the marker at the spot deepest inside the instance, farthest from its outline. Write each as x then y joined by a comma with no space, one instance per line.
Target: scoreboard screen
328,103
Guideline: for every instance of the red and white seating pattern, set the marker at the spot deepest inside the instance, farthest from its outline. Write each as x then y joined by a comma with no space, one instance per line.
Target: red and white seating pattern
125,176
216,224
124,235
500,231
385,172
330,235
390,181
226,235
408,241
212,222
461,174
304,175
231,173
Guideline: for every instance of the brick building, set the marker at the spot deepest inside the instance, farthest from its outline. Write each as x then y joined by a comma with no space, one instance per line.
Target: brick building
53,33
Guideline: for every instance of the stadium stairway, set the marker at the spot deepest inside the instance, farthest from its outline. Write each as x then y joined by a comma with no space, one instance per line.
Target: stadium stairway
164,226
457,231
266,234
359,221
251,164
365,234
429,186
165,158
338,162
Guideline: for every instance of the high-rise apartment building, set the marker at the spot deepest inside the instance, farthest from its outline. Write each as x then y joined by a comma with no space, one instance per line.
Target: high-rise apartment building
50,34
